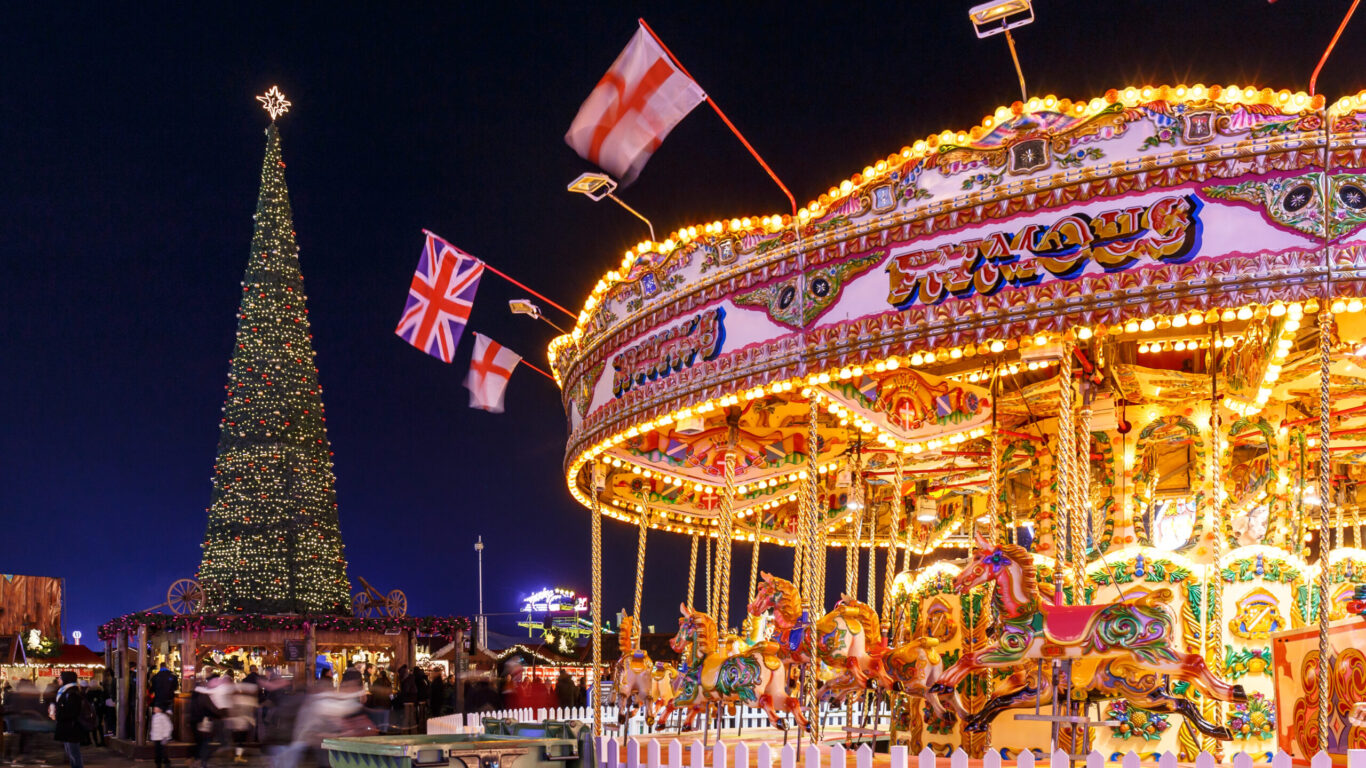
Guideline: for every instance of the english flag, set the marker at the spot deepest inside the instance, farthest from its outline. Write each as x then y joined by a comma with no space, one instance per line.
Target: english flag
440,298
635,105
490,368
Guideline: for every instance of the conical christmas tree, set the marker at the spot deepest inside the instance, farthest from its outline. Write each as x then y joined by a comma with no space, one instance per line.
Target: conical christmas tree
273,543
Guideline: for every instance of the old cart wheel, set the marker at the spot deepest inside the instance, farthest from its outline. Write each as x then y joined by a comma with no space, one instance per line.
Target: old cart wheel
360,605
397,604
184,597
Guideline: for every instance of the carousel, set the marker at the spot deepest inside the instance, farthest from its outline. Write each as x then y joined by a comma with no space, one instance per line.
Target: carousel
1077,394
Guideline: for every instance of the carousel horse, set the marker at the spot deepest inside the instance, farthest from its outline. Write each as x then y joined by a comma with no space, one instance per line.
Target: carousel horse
849,640
779,596
634,675
1094,680
1138,634
661,688
756,677
915,666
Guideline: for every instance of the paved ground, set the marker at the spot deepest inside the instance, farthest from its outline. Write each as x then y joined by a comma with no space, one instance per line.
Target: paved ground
50,754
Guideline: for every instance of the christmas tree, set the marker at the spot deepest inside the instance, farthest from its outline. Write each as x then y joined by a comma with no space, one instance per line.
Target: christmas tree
273,543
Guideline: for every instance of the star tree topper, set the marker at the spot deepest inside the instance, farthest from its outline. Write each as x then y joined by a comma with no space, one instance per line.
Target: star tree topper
274,102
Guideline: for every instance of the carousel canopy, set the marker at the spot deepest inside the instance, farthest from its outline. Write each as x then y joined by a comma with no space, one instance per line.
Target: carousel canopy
1166,245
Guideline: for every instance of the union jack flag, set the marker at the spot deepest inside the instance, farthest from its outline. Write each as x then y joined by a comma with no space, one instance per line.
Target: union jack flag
440,298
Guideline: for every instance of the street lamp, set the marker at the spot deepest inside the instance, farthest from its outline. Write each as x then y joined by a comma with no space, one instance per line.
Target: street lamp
526,307
1002,16
596,186
482,629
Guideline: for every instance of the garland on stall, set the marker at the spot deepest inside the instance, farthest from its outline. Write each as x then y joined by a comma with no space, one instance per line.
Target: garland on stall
438,626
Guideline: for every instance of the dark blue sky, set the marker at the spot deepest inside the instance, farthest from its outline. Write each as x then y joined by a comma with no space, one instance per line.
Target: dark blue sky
130,151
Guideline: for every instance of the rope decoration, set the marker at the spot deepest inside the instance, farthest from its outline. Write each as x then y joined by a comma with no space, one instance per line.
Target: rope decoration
1213,636
724,539
644,521
1084,515
811,519
1325,511
812,547
711,606
597,598
856,499
994,497
753,570
872,557
692,571
1067,482
893,525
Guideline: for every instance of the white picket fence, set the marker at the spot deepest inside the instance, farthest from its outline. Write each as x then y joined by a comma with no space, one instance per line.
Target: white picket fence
665,752
738,754
744,718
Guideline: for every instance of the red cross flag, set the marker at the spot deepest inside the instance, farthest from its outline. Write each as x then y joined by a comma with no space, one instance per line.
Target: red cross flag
490,368
635,105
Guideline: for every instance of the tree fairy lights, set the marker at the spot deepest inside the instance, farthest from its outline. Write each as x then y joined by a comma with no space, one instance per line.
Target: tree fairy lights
273,543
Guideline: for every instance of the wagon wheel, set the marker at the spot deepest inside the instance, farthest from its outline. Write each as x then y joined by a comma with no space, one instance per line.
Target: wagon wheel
184,597
360,605
397,604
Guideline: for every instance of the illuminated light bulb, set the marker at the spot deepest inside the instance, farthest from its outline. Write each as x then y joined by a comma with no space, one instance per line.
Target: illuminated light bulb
998,346
955,353
1179,321
1195,318
893,363
1040,340
1147,325
1084,333
1131,326
1277,309
917,359
973,377
1245,313
1291,326
1179,346
1354,305
1228,316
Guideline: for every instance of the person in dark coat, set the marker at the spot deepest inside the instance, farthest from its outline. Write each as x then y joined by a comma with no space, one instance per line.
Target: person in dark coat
164,685
565,692
70,712
436,691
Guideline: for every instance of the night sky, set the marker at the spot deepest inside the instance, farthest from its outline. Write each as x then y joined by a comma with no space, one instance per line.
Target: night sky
130,153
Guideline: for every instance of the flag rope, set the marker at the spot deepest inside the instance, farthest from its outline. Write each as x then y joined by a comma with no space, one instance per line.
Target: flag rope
723,117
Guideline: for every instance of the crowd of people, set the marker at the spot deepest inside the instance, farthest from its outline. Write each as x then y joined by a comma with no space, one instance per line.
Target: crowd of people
287,717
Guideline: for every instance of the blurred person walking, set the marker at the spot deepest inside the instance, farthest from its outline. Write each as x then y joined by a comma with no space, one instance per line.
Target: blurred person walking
73,716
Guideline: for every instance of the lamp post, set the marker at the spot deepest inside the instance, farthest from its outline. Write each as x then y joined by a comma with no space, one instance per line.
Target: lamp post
596,186
526,307
999,16
482,632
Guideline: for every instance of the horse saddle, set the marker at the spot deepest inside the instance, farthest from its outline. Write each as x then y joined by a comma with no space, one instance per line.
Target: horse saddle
639,662
1065,624
768,651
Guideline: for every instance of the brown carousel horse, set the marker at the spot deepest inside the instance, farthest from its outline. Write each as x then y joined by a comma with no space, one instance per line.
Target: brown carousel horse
1138,636
849,640
756,676
634,674
912,667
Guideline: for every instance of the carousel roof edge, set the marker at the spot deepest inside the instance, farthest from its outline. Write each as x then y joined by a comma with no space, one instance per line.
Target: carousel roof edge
1050,112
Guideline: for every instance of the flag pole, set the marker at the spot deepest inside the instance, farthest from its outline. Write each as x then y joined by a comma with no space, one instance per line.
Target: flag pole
517,283
723,117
